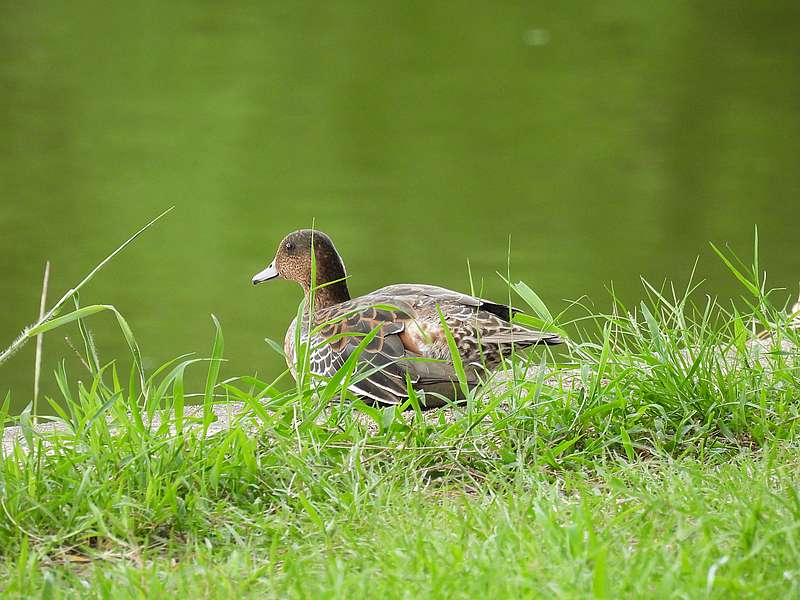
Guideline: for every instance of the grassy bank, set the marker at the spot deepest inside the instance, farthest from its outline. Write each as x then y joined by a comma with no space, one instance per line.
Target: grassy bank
648,529
656,457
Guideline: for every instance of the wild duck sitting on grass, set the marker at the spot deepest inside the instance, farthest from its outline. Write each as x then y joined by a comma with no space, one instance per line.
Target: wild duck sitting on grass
410,341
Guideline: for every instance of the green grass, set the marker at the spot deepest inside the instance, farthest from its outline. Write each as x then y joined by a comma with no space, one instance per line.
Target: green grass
655,529
659,460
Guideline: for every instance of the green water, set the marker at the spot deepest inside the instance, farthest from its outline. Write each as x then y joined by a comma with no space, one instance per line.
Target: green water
609,140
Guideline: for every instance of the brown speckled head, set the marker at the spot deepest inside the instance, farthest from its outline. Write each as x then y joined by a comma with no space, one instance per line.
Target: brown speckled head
293,261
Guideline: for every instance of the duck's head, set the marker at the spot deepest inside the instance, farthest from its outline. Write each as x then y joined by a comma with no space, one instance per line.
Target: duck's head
293,261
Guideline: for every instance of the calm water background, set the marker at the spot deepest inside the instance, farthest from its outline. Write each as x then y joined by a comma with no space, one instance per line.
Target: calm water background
609,140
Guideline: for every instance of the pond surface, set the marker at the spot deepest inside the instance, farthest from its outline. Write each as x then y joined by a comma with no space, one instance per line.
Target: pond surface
607,140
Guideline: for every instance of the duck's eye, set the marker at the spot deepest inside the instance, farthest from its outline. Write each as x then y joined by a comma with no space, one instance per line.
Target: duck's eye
289,247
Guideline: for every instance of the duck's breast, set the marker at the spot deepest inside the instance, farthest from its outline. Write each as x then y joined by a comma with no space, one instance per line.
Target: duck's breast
288,347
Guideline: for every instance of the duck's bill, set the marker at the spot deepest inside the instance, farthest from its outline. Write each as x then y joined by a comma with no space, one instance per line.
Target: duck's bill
269,273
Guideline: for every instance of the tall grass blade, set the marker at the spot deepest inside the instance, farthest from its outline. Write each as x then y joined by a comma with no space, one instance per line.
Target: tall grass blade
89,347
133,346
458,364
533,300
37,365
4,408
751,287
275,346
213,374
178,401
655,331
75,315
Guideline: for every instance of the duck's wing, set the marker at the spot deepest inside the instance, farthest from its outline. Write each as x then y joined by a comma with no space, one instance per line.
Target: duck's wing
385,363
482,330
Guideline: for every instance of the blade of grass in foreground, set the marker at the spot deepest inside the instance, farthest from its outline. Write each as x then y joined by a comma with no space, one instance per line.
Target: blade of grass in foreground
37,365
213,374
751,287
458,364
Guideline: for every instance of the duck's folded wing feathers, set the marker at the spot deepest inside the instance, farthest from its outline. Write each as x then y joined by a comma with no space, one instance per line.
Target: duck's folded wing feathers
385,362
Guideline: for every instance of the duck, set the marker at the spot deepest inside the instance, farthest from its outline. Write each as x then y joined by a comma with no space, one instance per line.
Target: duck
409,344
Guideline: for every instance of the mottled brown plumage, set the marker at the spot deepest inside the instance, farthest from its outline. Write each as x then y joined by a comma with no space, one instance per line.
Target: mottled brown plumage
410,342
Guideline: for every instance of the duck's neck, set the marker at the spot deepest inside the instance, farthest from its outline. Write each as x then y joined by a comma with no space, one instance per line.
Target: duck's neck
331,277
328,295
